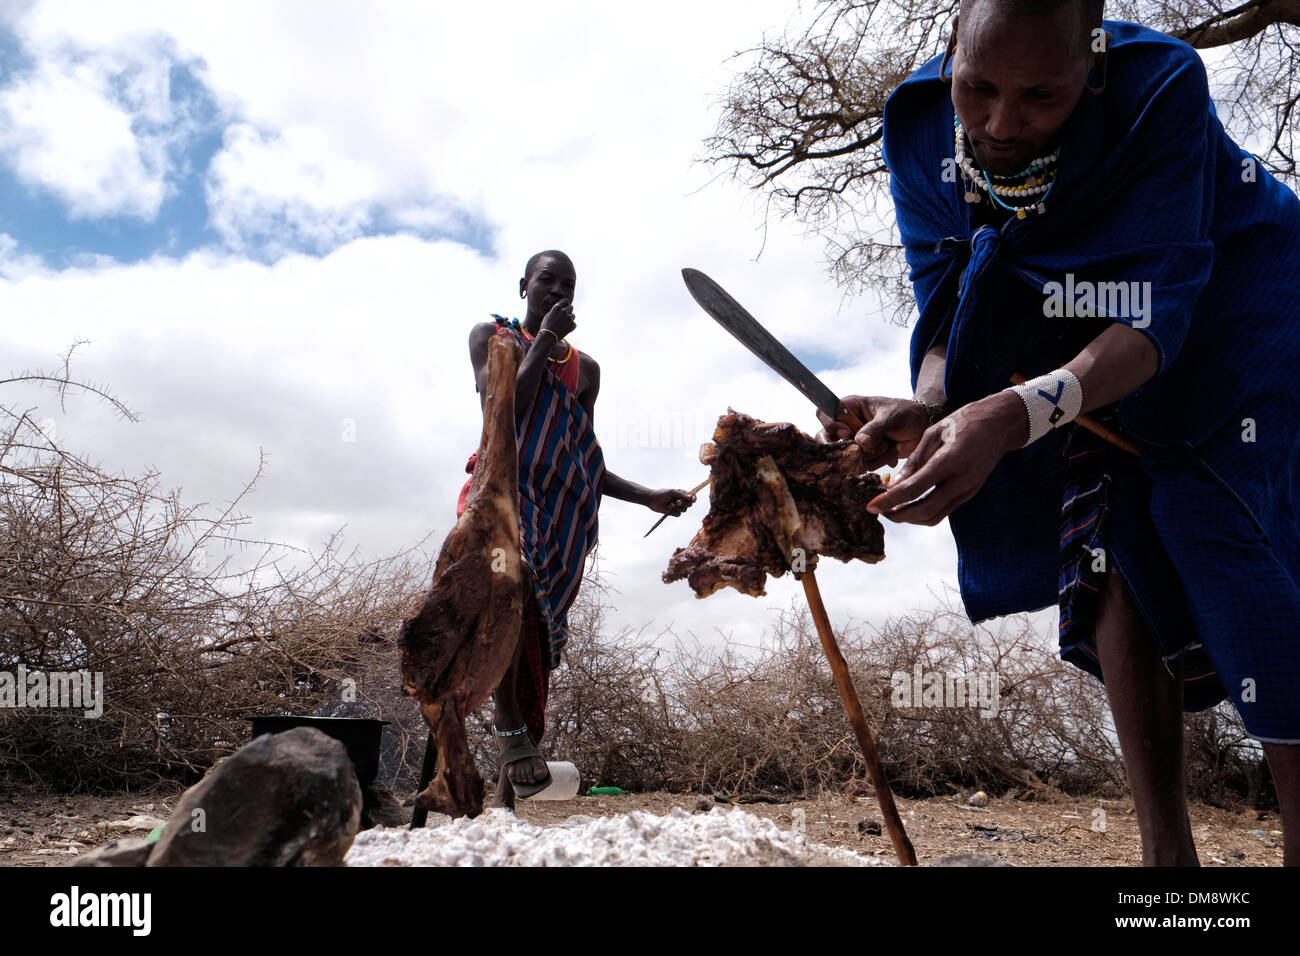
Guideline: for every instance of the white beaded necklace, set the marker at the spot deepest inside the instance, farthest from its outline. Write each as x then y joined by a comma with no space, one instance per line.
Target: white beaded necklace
1036,179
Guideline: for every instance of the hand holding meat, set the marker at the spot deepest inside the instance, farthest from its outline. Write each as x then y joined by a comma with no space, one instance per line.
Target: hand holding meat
893,428
953,459
778,500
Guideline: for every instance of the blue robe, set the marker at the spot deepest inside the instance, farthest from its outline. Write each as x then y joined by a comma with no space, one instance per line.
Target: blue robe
1150,189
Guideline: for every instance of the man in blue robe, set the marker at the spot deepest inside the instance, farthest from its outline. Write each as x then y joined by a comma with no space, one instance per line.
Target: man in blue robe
1073,211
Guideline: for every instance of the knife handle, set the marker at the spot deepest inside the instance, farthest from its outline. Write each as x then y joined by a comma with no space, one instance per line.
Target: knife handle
848,418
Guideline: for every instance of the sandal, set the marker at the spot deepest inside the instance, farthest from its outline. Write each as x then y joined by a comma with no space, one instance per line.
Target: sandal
519,747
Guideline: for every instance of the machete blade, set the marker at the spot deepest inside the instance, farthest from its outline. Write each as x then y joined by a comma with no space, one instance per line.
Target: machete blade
733,317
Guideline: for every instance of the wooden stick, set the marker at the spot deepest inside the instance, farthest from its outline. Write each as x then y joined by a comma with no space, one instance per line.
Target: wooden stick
884,796
421,815
1094,426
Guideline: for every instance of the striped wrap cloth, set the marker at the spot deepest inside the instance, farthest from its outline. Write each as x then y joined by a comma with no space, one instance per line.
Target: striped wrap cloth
561,475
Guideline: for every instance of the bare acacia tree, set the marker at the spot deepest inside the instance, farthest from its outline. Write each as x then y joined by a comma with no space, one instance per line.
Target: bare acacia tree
802,123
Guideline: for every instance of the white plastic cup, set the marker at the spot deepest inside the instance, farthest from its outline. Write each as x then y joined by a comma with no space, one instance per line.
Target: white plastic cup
564,782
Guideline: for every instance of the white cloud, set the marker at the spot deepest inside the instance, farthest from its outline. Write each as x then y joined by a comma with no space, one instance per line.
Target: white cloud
275,192
61,134
282,188
223,357
394,109
14,263
572,127
96,126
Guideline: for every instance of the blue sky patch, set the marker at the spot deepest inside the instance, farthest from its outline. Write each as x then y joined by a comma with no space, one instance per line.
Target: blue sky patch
39,220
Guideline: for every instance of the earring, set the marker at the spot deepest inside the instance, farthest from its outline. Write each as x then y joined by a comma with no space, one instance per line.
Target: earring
1095,90
523,293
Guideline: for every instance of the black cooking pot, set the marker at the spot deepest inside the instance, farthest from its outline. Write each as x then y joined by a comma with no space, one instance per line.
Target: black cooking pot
360,735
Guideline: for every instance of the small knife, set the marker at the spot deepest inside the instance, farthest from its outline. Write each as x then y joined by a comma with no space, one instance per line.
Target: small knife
693,491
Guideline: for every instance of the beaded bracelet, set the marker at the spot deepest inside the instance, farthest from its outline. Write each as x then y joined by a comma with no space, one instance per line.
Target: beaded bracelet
509,733
1052,400
934,412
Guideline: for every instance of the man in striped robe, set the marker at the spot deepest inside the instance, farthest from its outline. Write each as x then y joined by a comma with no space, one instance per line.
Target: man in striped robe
562,477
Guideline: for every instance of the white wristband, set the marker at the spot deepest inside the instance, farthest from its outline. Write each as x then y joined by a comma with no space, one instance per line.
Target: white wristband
1052,400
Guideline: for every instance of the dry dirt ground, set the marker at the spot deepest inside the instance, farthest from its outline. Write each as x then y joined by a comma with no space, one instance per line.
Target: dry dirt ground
42,830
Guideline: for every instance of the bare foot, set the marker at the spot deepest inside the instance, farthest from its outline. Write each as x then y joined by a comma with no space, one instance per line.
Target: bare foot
525,771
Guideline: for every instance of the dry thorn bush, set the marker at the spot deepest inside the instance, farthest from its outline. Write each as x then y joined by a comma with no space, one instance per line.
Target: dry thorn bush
632,712
196,627
111,574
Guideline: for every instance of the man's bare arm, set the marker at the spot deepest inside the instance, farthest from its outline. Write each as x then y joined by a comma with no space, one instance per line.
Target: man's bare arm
1112,365
664,501
929,380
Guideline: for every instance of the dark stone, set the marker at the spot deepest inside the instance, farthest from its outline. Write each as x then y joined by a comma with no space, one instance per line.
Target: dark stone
970,859
133,851
869,827
289,799
379,808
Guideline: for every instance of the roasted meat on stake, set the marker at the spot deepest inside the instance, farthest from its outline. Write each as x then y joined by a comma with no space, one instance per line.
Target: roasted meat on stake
777,498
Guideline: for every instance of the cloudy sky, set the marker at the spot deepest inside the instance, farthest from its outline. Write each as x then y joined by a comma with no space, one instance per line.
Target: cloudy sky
276,222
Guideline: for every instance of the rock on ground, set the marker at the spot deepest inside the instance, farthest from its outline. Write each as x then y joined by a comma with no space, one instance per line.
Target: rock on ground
130,852
379,808
970,859
288,799
498,838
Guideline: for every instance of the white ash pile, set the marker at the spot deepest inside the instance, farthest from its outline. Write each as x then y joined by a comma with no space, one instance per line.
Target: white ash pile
498,838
